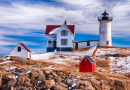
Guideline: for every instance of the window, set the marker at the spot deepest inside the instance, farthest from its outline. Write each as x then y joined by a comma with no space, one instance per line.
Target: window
49,42
19,49
107,42
63,41
88,43
64,33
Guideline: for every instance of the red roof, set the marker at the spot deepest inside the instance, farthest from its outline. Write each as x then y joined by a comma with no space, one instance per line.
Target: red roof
25,47
51,27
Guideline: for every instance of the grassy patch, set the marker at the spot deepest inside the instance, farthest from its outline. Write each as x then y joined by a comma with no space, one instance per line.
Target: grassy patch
25,61
115,55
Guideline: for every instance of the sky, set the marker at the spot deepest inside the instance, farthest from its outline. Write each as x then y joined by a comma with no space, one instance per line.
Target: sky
25,21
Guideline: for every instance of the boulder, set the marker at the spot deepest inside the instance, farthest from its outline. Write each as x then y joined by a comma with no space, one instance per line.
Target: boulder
10,77
19,70
54,74
118,84
52,82
75,85
81,87
68,76
58,87
46,84
105,85
96,83
34,81
38,71
63,85
23,88
5,87
85,83
26,75
0,80
60,73
69,82
41,78
12,82
27,82
33,74
21,80
12,88
57,79
49,77
47,72
89,88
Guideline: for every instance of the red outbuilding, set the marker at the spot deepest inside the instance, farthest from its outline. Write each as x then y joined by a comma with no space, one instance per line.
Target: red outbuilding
86,65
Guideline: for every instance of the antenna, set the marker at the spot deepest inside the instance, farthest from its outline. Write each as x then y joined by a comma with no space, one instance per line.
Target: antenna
105,5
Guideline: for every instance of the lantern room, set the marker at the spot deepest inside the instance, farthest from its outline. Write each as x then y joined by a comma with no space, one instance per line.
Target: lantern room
105,16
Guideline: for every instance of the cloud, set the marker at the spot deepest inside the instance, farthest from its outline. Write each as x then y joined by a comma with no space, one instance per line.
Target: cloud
22,18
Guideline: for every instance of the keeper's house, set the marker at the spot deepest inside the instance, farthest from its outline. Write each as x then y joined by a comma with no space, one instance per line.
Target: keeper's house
60,37
21,50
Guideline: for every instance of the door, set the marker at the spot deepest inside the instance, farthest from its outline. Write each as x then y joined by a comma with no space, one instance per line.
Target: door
107,42
54,44
88,43
76,45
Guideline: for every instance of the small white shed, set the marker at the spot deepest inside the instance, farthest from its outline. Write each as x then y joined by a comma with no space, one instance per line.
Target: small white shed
21,50
85,44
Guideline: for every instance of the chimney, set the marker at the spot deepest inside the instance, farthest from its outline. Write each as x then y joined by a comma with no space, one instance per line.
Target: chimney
65,22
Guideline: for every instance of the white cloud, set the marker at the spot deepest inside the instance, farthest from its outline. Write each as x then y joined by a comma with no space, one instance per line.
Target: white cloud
121,10
80,2
6,43
21,19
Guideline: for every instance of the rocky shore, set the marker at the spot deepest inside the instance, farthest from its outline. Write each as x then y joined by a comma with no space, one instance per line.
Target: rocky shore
46,79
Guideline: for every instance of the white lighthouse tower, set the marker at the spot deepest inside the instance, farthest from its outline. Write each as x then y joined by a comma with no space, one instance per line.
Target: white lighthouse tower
105,30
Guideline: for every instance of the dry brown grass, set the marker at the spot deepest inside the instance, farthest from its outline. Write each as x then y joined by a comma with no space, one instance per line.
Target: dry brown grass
107,47
80,50
1,60
94,52
104,64
78,58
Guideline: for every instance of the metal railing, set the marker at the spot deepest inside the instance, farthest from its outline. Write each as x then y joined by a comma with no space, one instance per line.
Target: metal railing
105,18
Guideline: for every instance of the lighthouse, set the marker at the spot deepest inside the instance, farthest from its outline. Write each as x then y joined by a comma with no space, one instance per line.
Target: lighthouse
105,30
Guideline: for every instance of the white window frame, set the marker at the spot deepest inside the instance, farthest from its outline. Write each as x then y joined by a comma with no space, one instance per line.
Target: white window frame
64,33
64,41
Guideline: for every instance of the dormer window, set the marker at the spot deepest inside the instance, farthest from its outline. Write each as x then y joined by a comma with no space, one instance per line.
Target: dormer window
64,33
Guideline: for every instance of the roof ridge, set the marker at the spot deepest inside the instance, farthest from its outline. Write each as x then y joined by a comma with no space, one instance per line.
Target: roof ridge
25,47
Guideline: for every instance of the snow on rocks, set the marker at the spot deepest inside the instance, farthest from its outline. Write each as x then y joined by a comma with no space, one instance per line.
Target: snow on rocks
120,64
104,51
117,63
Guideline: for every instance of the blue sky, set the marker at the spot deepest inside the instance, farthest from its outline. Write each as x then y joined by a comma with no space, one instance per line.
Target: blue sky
25,21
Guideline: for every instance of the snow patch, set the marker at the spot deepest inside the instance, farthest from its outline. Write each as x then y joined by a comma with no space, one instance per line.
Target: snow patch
42,56
6,62
54,31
